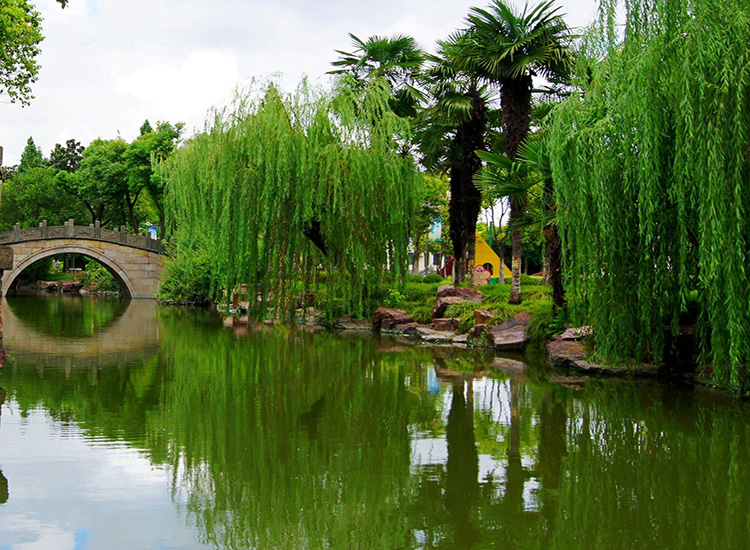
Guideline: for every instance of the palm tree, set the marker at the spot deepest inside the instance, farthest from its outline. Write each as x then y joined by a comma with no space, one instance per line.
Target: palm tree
508,49
450,130
397,59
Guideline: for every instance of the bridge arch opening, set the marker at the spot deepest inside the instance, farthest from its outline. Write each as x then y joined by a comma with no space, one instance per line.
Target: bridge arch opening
126,284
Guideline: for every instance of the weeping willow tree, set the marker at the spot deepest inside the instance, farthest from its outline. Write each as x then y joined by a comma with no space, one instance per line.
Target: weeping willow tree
281,188
651,172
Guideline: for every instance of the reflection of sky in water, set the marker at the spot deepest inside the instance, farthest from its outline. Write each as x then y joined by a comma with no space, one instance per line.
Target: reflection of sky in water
81,493
491,396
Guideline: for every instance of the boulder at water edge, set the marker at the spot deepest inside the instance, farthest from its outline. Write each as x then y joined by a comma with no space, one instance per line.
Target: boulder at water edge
511,335
449,294
386,318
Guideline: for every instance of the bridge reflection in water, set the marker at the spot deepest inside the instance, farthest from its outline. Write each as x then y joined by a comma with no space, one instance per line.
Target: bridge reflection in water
129,331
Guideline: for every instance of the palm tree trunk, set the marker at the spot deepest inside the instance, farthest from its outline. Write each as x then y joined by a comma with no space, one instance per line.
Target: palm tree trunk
516,105
471,251
501,255
466,198
515,284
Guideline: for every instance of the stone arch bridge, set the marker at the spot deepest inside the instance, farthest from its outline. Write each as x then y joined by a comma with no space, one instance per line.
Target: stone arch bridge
135,261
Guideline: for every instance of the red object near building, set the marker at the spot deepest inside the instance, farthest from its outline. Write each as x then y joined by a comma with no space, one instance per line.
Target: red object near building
447,269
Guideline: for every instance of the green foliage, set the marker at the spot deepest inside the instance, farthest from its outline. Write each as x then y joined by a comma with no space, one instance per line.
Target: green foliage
34,195
505,48
100,277
533,289
397,59
146,128
432,208
433,278
31,157
20,35
503,43
651,164
102,183
453,125
283,186
7,173
496,302
422,314
144,154
531,280
425,290
68,158
544,324
394,299
186,278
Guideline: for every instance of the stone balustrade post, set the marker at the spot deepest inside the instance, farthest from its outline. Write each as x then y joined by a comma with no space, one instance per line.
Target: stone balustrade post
43,229
97,229
123,234
70,228
17,232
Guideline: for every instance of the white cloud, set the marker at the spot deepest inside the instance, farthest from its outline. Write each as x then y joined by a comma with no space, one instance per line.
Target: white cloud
109,64
187,89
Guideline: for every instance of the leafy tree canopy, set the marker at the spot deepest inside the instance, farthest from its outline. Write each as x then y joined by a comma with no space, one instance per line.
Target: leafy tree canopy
31,157
101,182
20,36
144,153
281,187
651,174
146,127
34,195
67,158
397,59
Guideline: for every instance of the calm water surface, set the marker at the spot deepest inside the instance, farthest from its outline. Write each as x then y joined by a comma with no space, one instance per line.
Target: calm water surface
129,426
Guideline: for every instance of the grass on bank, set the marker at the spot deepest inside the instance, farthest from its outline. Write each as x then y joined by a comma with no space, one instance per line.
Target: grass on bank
418,298
187,281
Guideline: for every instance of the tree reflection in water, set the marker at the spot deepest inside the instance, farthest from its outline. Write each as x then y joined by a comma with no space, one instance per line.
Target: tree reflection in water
3,480
286,439
462,465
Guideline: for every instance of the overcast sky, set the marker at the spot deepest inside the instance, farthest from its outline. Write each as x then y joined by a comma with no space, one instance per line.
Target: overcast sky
107,65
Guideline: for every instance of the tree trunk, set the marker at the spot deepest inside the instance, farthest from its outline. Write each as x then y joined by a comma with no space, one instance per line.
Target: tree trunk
162,223
515,284
501,255
516,105
459,269
462,490
552,450
130,211
466,198
470,260
417,254
313,231
514,473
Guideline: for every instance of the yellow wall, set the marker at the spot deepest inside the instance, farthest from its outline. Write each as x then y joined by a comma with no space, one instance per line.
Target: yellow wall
484,254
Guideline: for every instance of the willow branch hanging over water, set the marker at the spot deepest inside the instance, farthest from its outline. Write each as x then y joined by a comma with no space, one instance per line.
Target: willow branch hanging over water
281,188
651,168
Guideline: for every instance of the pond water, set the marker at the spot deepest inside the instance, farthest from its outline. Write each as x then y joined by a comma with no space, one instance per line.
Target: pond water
132,426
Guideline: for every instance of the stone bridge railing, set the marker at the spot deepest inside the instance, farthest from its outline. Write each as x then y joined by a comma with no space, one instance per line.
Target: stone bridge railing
71,231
